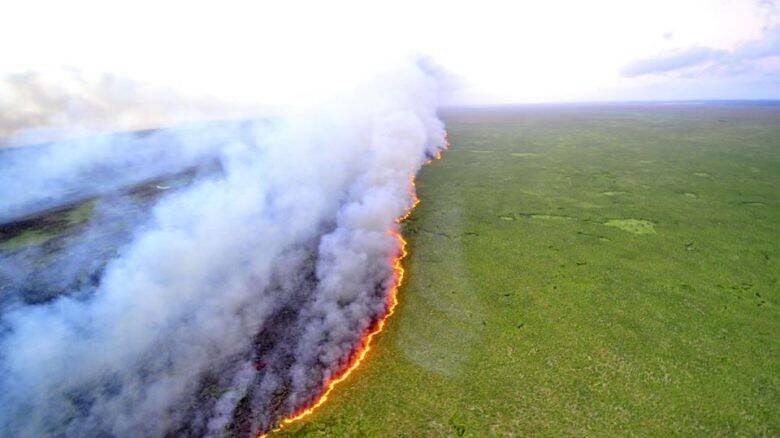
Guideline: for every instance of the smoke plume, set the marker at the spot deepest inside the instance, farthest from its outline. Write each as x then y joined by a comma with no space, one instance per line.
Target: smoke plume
47,105
239,296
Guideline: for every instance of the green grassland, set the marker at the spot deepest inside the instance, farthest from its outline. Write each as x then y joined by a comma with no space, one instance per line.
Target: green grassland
584,271
45,228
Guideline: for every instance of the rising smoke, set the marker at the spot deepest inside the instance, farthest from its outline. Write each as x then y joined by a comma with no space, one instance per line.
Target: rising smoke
242,294
68,116
46,175
48,105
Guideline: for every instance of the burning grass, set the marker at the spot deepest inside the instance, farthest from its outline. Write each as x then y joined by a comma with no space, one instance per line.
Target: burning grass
392,301
362,350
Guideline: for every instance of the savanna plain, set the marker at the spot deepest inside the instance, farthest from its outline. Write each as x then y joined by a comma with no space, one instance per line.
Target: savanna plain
584,270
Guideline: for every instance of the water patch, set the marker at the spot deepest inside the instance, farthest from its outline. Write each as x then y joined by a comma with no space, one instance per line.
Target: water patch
613,193
702,174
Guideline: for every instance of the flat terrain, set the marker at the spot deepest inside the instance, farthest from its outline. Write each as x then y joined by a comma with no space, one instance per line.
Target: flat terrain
584,271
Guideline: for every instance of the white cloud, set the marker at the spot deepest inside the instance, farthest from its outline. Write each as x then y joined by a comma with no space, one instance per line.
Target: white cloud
745,58
281,51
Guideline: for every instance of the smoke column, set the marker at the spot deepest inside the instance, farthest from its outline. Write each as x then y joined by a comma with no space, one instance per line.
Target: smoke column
241,295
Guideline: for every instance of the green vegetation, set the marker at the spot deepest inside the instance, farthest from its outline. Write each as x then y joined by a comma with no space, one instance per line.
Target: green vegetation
27,238
577,271
636,226
79,213
40,230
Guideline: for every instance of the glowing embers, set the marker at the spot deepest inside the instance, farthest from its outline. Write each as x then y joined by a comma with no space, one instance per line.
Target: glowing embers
415,201
365,344
441,150
392,300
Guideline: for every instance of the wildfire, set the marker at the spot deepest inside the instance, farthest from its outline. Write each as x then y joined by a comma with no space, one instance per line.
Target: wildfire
395,281
392,301
440,151
415,201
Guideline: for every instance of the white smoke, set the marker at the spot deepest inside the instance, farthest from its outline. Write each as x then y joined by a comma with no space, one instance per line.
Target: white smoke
39,177
62,123
54,104
299,219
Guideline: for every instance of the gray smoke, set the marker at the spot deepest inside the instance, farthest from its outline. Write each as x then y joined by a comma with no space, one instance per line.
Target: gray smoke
38,177
54,126
241,294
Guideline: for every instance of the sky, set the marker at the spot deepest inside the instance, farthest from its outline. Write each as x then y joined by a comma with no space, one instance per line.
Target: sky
491,51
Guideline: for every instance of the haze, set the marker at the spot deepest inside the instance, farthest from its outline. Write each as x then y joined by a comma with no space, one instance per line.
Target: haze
492,52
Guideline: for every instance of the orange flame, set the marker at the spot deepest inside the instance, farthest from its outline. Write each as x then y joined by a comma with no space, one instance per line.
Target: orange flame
442,149
392,301
392,298
415,201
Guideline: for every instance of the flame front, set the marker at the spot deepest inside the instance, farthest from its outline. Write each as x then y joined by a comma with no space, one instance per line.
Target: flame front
392,298
392,301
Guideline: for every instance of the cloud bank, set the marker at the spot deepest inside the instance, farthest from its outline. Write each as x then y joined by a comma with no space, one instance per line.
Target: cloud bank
704,60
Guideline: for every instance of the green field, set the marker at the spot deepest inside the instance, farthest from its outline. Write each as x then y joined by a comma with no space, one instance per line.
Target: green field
584,271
